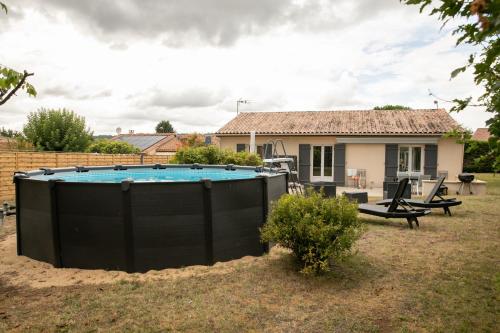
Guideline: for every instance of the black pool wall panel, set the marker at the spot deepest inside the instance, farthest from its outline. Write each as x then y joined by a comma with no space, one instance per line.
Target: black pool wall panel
91,225
276,187
237,209
168,225
137,227
36,229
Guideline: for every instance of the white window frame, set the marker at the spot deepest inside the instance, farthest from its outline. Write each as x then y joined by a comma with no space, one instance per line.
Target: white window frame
410,158
321,178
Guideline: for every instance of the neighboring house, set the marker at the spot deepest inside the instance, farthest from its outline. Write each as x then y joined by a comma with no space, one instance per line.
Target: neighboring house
337,145
151,144
161,144
481,134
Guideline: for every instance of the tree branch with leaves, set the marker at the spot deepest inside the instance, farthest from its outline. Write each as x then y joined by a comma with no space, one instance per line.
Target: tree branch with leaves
12,81
479,26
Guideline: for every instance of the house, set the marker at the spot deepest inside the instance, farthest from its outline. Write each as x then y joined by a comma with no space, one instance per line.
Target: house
151,144
163,143
342,145
481,134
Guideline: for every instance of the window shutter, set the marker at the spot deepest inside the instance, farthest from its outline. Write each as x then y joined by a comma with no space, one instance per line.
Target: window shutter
339,164
430,160
304,163
240,147
391,160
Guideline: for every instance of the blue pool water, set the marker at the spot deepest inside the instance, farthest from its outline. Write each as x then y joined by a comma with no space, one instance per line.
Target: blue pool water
150,175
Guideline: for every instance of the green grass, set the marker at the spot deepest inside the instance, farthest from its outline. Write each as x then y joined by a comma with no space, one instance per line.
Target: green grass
443,277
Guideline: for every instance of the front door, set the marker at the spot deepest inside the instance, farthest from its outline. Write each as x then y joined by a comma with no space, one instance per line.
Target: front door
322,163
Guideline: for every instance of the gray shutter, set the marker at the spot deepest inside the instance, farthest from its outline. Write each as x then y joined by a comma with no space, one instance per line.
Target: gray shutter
240,147
304,163
267,150
339,164
391,160
430,160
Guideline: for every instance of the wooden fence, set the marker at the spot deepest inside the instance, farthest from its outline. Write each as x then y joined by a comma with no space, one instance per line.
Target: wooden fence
26,161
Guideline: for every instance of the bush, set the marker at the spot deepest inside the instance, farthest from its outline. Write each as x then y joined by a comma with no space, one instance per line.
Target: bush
112,147
479,156
213,155
315,228
57,130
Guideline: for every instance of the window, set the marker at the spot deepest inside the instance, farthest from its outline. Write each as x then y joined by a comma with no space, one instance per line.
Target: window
410,159
322,163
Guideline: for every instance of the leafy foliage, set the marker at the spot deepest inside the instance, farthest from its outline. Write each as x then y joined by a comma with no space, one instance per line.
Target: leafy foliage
462,135
479,156
164,126
392,107
10,80
213,155
315,228
193,140
57,130
10,133
112,147
483,32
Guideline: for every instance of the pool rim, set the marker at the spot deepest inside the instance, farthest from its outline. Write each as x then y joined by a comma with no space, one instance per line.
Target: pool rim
260,170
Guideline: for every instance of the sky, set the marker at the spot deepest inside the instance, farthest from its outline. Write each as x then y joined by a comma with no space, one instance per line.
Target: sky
132,63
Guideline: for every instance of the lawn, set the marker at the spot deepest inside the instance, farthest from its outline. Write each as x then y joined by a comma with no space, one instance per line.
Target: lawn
442,277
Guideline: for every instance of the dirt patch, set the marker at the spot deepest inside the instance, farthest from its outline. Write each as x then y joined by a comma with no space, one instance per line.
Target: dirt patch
20,270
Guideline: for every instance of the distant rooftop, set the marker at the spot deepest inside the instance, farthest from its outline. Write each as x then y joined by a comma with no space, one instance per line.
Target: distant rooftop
142,141
481,134
357,122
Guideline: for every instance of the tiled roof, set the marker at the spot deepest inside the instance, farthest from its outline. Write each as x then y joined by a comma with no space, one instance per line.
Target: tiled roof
171,145
141,141
358,122
481,134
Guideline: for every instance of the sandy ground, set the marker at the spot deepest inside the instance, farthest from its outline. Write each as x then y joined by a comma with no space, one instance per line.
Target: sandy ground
21,270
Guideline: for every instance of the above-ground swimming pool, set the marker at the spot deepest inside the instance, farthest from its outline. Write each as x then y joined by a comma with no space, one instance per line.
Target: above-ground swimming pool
143,217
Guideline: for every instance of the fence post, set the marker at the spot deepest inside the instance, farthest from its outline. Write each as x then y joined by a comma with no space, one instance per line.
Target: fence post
207,205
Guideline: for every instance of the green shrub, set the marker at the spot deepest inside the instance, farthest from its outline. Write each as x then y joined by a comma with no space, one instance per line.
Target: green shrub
57,130
213,155
315,228
479,156
112,147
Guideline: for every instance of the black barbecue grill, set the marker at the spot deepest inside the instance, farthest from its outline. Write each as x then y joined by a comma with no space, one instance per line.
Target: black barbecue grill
465,179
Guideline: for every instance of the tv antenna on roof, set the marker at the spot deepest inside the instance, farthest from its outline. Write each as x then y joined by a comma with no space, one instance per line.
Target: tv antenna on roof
241,101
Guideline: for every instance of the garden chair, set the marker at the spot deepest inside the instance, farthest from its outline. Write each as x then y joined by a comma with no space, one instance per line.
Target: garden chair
397,207
429,201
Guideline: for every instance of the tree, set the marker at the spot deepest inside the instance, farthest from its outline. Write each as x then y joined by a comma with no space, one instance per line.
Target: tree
11,81
57,130
392,107
8,133
479,26
112,147
193,140
164,126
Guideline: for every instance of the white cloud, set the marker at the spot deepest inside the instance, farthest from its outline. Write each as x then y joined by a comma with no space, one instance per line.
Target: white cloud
349,55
